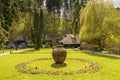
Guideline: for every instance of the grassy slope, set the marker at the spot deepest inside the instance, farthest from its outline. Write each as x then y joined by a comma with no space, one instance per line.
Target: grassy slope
110,66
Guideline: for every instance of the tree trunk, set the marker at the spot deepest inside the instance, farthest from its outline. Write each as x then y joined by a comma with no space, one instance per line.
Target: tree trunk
100,45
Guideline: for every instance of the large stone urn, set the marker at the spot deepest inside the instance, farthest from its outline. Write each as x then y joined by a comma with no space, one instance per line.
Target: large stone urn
59,54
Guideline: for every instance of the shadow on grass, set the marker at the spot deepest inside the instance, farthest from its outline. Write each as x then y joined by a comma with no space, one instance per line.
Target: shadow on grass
58,65
100,55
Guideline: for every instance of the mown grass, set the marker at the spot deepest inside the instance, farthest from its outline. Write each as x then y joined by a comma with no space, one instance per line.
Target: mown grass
110,66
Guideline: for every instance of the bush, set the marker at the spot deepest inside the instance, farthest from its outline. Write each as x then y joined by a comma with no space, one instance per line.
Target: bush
30,45
113,45
96,48
90,46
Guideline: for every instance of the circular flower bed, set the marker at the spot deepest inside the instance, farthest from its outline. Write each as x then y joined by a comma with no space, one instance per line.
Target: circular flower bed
27,68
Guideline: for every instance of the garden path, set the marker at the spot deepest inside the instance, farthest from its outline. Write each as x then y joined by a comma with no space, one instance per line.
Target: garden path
14,52
110,55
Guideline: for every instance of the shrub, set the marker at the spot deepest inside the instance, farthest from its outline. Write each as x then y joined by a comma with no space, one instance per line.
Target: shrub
90,46
113,45
30,45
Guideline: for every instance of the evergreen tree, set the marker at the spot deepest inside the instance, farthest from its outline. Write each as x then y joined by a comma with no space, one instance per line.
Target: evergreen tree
38,27
53,5
75,20
10,13
36,30
41,25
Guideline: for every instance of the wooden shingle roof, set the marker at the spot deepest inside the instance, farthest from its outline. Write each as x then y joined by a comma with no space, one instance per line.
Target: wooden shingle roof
69,39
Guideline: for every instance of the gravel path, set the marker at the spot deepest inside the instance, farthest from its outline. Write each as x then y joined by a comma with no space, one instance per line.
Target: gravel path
111,55
2,54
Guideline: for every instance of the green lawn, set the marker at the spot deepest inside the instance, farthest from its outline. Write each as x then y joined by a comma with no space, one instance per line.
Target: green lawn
110,67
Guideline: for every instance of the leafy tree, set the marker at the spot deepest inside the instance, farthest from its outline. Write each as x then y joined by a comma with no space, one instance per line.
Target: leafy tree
65,26
53,8
22,26
111,29
3,37
51,25
53,5
65,17
75,20
97,19
10,13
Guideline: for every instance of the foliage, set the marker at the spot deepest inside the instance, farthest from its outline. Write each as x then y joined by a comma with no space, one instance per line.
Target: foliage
38,28
51,25
30,45
90,46
11,16
75,20
99,24
113,44
22,26
10,13
65,26
52,18
112,34
53,5
92,20
3,37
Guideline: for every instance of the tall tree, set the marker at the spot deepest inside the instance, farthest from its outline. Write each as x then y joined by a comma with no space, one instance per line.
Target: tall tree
65,17
53,8
75,16
10,13
41,24
38,26
53,5
36,30
51,25
94,17
3,37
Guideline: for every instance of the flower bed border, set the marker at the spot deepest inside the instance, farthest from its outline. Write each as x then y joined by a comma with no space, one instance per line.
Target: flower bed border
92,67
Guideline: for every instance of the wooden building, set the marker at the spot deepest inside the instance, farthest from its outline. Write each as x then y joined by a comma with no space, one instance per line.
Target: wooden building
70,41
